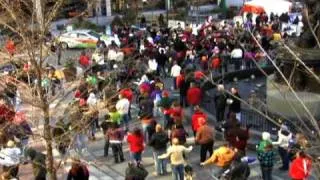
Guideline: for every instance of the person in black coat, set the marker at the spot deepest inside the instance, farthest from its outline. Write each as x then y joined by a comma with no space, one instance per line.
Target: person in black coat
184,86
234,102
238,170
161,59
220,99
159,141
146,105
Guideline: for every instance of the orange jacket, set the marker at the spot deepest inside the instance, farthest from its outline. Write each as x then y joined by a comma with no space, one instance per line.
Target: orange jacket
221,157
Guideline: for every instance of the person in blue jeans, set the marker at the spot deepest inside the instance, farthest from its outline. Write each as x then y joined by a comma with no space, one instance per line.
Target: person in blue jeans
158,142
175,153
266,158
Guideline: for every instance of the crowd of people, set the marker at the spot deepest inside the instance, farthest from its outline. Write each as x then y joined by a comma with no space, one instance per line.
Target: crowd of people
187,58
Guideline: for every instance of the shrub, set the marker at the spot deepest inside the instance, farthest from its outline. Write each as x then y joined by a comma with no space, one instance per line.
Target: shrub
181,4
117,21
181,15
129,17
83,24
161,4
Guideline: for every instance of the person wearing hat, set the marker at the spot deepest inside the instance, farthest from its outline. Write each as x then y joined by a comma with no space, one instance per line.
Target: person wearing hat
284,137
78,171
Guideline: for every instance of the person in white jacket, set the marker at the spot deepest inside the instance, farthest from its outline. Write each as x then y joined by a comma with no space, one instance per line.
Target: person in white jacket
175,72
284,137
122,107
94,122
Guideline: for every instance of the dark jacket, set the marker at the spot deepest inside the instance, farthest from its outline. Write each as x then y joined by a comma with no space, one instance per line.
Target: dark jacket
185,84
238,171
181,134
159,141
220,99
134,172
235,107
146,106
80,172
238,138
161,59
165,103
38,163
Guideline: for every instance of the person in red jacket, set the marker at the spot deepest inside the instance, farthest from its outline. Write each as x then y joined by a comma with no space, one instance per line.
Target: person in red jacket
197,116
179,80
198,75
215,64
300,167
194,95
84,60
136,144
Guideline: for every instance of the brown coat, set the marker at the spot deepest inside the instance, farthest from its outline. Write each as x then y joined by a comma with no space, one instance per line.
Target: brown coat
205,134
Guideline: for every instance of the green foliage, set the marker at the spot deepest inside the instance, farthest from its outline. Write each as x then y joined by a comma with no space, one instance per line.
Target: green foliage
69,64
84,24
223,5
181,4
217,11
117,21
129,17
181,15
231,12
161,4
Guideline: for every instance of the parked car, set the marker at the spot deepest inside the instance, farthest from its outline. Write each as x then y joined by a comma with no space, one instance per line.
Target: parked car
84,39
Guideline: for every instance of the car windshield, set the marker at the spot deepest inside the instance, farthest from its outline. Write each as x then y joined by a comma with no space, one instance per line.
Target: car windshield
92,33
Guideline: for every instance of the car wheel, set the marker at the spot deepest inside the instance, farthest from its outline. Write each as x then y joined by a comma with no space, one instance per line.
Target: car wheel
64,45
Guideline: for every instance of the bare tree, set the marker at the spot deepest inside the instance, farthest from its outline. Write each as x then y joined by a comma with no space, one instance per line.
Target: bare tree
18,20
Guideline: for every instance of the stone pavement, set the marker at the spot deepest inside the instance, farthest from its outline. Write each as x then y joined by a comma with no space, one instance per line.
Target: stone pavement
103,167
201,173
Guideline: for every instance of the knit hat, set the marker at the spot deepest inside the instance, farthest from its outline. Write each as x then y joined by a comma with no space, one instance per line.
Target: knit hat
266,136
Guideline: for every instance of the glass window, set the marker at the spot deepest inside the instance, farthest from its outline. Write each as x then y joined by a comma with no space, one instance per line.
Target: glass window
94,34
81,35
73,35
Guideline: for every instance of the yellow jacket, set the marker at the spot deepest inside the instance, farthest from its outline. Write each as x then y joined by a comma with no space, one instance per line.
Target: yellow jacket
221,157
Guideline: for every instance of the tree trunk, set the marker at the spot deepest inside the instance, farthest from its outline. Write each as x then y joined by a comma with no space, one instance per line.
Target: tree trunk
48,137
47,128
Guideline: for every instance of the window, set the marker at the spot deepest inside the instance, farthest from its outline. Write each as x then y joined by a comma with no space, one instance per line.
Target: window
73,35
81,35
94,34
